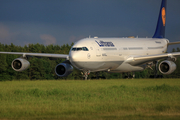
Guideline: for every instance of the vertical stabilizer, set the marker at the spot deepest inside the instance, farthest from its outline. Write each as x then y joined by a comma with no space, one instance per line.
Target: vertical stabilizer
160,28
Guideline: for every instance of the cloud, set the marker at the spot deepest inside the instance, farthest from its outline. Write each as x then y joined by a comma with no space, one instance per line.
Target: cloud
48,39
20,36
4,33
8,36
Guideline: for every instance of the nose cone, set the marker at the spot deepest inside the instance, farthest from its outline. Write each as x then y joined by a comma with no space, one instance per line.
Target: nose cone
74,56
75,59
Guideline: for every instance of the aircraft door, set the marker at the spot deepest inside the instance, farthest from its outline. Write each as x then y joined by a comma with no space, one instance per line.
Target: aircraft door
97,49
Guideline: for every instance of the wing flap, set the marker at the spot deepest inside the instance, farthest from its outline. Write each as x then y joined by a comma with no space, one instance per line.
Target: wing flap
139,60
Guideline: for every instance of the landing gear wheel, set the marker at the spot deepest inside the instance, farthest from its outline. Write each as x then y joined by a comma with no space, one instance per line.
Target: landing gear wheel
86,73
129,76
156,69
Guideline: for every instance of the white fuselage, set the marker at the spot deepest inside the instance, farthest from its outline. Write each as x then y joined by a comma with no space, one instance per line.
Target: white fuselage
110,54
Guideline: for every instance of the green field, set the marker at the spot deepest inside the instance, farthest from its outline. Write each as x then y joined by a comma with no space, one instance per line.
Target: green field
90,100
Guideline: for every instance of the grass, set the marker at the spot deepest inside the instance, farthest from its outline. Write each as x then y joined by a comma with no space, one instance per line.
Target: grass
92,99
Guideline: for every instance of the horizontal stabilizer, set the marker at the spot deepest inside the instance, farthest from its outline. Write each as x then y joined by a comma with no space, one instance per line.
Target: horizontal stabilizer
173,43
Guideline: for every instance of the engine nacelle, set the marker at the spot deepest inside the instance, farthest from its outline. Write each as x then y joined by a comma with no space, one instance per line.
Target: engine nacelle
167,67
63,69
20,64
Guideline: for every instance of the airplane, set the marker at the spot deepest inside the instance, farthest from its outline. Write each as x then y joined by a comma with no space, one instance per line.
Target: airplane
117,55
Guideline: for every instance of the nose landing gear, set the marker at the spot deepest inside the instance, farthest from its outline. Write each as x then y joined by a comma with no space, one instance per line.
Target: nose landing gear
85,74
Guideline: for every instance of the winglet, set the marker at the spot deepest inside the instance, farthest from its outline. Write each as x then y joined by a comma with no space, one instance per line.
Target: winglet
160,28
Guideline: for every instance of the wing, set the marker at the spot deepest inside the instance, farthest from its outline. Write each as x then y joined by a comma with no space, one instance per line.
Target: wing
38,54
139,60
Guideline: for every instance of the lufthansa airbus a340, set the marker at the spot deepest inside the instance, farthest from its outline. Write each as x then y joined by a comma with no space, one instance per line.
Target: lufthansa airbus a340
112,54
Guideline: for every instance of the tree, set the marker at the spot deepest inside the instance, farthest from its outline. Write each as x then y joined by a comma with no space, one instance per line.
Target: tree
44,68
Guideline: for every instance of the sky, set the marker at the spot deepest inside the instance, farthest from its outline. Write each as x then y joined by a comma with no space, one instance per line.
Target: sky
60,22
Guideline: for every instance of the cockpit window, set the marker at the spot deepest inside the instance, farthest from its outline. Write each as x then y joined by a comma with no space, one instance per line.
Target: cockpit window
74,49
85,49
80,49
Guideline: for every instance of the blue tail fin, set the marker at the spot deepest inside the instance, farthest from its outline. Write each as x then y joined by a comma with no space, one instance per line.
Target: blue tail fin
160,29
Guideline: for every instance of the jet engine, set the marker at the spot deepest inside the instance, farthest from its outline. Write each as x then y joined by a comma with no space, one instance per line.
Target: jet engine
63,69
20,64
167,67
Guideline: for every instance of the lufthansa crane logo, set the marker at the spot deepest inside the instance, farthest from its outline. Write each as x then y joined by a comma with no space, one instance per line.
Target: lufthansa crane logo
164,16
88,55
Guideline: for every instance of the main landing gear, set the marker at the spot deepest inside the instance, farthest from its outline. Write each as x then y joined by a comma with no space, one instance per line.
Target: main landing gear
130,76
156,71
